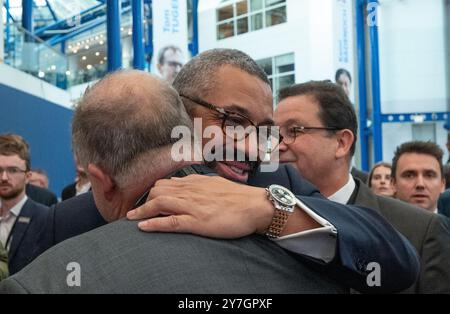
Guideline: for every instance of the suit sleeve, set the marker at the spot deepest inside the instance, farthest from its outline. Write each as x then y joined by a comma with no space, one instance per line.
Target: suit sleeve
435,273
365,238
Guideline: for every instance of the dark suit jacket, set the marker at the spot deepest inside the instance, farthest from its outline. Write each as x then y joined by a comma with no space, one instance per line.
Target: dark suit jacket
25,234
429,233
69,191
40,195
444,204
361,175
118,258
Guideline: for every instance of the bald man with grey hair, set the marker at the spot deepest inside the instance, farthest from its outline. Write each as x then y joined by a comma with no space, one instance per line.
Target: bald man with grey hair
117,136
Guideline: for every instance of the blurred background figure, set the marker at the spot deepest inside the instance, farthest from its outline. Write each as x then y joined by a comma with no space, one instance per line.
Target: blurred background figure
37,188
380,179
344,80
170,62
80,186
39,177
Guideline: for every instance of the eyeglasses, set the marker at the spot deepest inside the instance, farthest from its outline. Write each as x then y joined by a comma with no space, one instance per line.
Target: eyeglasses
11,171
288,135
238,127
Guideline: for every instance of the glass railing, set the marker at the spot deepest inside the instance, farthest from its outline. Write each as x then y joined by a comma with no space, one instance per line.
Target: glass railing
29,54
81,76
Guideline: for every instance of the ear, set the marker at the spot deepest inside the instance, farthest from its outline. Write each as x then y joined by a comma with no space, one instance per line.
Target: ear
443,185
102,180
394,185
28,177
345,139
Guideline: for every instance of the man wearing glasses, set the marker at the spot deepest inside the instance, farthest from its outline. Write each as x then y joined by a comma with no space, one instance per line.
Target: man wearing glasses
170,61
225,88
21,219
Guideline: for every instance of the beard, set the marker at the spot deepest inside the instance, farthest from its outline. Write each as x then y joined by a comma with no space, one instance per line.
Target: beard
237,156
10,193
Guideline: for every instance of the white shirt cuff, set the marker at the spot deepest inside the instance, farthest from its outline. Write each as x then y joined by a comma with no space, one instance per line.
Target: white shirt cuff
319,243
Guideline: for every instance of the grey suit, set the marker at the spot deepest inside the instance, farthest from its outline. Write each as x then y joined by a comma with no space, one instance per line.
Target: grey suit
427,232
117,258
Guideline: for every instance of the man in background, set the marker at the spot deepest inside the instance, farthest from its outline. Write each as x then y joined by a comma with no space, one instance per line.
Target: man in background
39,177
170,61
418,175
21,219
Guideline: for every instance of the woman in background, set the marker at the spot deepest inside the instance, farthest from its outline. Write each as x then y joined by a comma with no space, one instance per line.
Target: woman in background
380,179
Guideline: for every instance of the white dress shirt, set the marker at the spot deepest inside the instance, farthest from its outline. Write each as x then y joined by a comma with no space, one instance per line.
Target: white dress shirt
318,243
342,196
7,221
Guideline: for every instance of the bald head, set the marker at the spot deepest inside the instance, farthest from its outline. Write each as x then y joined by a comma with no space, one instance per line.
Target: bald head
126,115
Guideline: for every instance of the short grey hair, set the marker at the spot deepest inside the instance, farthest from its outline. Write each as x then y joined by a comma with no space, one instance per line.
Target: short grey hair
197,78
123,120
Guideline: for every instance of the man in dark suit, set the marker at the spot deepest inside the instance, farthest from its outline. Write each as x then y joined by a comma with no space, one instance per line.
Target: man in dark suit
444,204
41,195
22,219
319,127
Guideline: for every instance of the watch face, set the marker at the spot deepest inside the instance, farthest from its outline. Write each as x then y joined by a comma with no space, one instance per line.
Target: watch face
282,195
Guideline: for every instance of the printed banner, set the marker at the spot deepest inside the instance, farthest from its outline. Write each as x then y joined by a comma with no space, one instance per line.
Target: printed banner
170,37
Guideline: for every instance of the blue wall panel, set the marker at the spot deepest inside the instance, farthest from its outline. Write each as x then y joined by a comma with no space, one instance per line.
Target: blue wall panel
46,127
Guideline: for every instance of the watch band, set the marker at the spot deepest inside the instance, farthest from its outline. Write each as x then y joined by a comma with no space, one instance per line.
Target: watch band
279,220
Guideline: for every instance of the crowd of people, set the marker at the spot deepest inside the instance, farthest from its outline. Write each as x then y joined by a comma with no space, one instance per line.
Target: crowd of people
225,225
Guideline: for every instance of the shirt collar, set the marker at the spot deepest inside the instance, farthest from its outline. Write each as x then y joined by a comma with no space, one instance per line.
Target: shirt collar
15,211
343,195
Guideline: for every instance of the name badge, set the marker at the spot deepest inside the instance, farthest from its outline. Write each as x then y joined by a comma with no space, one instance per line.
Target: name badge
24,220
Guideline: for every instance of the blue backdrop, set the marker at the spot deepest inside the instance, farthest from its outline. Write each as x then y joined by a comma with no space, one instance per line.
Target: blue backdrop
46,127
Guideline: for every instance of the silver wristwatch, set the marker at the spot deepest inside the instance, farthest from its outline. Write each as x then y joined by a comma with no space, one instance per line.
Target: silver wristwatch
284,202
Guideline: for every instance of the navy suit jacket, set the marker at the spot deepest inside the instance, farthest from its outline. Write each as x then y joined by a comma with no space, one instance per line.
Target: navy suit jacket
444,204
25,235
363,235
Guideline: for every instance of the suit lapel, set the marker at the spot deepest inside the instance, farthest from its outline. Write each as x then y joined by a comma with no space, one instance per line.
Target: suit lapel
363,196
20,228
